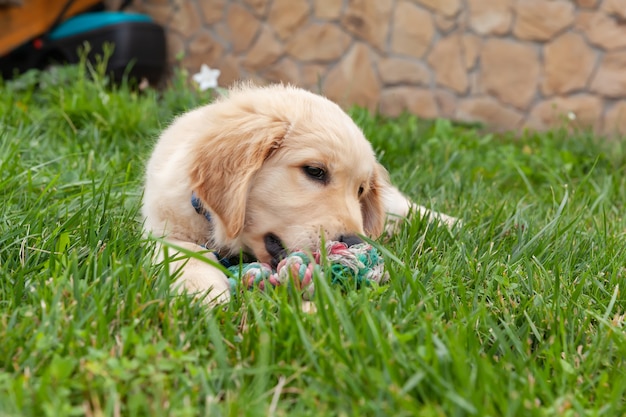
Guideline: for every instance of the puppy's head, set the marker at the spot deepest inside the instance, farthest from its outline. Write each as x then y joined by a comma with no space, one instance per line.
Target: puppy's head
282,168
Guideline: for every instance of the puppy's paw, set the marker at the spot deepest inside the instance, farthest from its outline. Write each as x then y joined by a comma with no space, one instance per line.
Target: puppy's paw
394,221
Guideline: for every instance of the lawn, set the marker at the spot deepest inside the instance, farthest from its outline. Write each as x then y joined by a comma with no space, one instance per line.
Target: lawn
519,312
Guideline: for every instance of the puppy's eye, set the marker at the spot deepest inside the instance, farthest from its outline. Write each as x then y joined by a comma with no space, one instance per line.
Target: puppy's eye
361,191
316,173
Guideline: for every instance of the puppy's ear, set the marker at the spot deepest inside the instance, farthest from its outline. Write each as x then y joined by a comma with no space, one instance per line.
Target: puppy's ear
372,206
225,160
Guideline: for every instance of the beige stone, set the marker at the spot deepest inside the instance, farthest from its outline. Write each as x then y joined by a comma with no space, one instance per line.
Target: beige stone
243,27
488,111
285,71
413,30
160,13
312,76
185,19
259,7
601,29
203,49
581,111
446,102
327,9
446,60
221,30
230,70
369,20
319,42
587,3
510,71
540,20
475,83
418,101
445,24
568,64
615,119
471,48
175,46
353,80
265,50
490,17
610,78
394,71
443,7
616,8
203,43
286,16
212,10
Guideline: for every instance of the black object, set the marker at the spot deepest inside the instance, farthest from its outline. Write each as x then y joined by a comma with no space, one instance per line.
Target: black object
138,46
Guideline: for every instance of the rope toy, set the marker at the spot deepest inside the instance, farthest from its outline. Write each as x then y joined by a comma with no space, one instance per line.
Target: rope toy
349,267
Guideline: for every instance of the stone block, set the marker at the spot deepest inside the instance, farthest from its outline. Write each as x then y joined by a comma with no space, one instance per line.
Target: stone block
202,49
185,18
230,70
312,76
285,71
327,9
319,42
568,64
615,8
418,101
259,7
510,71
413,30
243,26
369,20
490,17
286,16
471,49
264,52
542,19
490,112
212,10
395,71
446,60
353,80
445,24
602,29
610,78
590,4
447,8
615,119
580,111
446,101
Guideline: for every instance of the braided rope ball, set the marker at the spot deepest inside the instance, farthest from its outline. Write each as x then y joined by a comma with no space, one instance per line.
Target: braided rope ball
349,267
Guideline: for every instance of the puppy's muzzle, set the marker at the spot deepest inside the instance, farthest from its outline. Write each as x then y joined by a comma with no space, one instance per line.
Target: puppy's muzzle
276,249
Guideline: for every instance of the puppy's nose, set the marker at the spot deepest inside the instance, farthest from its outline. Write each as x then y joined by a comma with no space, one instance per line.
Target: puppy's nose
350,240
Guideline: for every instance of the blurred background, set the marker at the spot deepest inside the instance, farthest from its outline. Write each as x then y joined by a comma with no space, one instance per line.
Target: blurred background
511,64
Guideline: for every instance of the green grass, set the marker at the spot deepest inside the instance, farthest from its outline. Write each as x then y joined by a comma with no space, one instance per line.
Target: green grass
520,312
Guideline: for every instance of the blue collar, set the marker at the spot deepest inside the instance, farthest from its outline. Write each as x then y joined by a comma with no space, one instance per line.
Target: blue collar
197,205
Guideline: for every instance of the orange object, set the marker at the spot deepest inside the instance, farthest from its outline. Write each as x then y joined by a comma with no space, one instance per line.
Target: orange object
19,24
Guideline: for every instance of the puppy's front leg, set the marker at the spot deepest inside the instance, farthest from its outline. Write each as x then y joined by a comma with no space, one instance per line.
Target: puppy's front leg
195,276
399,207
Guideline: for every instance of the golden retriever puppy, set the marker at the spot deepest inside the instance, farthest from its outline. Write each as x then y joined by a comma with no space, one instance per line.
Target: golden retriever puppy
264,171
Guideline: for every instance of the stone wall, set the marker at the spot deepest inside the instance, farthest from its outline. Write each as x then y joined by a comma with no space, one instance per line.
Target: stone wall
508,63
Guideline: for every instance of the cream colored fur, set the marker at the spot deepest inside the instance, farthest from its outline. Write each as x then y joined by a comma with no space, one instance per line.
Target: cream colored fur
244,157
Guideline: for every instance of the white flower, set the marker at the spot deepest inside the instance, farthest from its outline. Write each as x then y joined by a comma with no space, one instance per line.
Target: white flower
207,77
571,115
